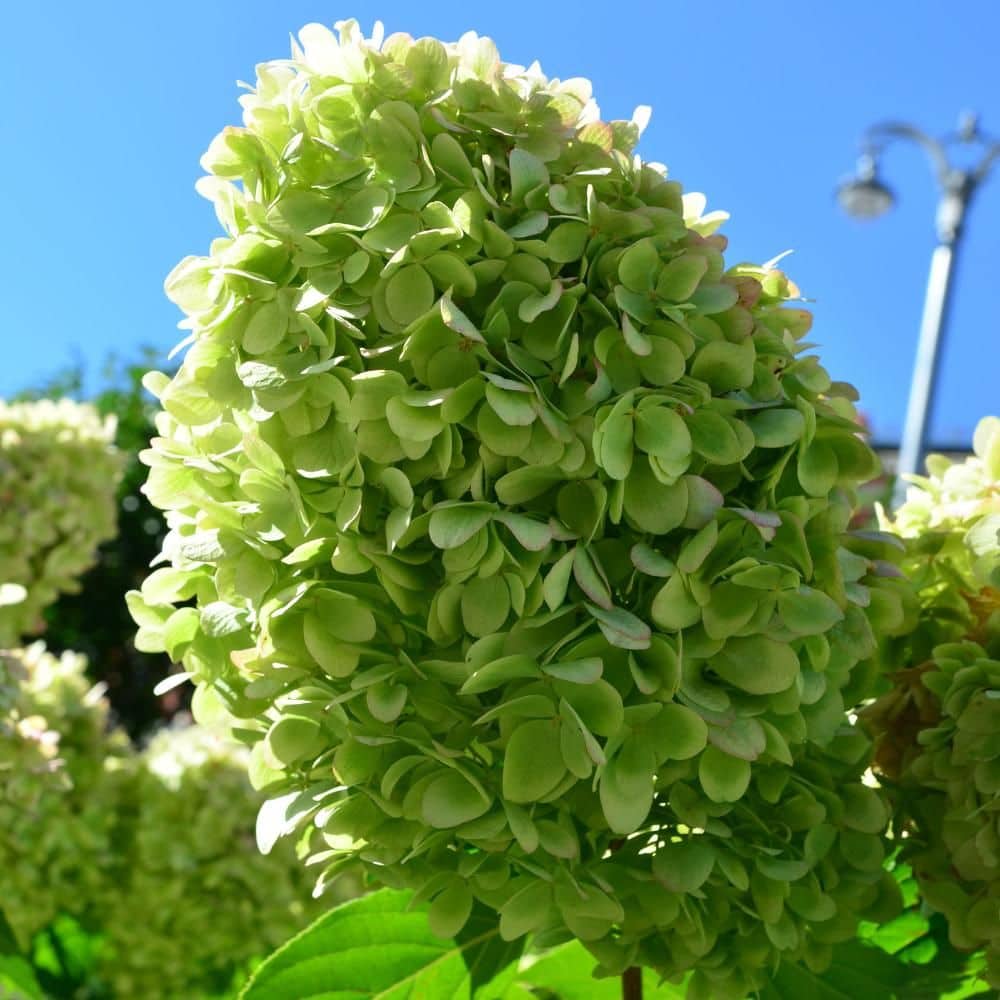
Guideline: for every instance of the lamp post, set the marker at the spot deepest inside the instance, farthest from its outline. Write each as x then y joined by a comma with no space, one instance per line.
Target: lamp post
865,196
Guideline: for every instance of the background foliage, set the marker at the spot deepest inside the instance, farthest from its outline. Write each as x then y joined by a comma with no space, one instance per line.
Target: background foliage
95,620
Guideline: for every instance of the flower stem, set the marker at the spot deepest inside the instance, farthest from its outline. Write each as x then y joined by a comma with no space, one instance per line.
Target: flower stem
632,983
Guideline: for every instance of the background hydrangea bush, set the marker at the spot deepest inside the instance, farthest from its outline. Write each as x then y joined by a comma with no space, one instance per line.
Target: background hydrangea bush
194,902
938,728
56,814
149,854
509,525
58,474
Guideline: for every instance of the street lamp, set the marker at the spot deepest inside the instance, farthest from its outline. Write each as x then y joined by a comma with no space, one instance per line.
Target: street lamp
866,197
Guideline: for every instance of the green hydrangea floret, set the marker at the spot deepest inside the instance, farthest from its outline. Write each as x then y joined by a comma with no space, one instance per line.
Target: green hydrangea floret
511,527
937,727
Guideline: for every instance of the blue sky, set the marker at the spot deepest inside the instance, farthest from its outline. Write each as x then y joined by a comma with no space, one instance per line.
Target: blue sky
110,105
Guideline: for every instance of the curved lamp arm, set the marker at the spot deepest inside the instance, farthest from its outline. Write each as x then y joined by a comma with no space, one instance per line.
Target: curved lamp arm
986,164
878,137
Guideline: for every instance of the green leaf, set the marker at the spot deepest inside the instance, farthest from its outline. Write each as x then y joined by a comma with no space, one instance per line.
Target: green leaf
64,955
533,535
664,364
808,612
584,671
345,616
744,738
598,706
724,366
452,526
373,948
704,500
451,800
731,607
661,431
532,762
817,469
295,737
450,910
489,960
638,266
219,619
857,972
575,725
684,865
590,579
525,910
680,277
557,581
864,809
724,778
653,506
461,401
409,294
673,606
614,445
757,665
449,157
622,628
17,979
709,299
331,653
485,605
527,172
507,668
386,701
567,242
650,562
514,408
456,320
626,789
713,437
526,483
677,732
266,328
697,548
777,428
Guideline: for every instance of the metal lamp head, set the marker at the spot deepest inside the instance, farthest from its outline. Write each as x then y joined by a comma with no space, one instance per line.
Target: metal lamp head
865,196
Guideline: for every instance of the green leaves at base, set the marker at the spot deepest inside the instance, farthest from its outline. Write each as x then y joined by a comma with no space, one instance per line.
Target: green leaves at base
17,979
861,972
566,972
376,948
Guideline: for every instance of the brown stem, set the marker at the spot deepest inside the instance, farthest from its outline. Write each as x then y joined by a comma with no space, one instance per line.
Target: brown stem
632,983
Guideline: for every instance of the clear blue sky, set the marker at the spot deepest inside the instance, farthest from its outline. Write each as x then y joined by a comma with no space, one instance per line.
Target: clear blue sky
110,105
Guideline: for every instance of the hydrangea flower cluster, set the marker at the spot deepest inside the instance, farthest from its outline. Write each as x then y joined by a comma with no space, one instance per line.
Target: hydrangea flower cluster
56,819
194,901
938,729
58,474
153,852
510,525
